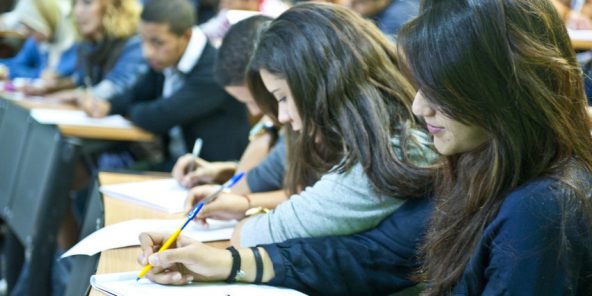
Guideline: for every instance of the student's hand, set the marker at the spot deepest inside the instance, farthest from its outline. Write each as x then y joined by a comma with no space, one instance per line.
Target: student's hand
49,77
188,171
226,206
186,260
66,96
203,172
94,107
578,21
30,90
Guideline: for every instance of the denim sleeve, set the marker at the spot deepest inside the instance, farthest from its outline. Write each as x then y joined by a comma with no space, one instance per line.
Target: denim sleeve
28,63
125,71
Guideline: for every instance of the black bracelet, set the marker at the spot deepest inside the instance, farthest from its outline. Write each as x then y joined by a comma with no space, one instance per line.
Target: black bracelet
258,265
236,264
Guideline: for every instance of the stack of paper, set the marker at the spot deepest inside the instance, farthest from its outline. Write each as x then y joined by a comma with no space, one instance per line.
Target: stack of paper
164,195
123,284
126,234
78,118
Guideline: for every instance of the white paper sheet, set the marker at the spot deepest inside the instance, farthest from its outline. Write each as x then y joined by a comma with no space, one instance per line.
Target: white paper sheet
125,234
164,195
582,35
124,284
76,117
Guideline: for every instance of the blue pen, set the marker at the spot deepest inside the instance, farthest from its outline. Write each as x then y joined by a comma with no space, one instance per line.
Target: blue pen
191,216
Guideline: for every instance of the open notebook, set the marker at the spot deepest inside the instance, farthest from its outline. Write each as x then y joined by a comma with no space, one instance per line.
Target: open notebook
123,284
164,195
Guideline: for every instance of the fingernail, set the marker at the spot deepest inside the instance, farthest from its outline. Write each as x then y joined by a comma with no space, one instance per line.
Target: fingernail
177,277
154,260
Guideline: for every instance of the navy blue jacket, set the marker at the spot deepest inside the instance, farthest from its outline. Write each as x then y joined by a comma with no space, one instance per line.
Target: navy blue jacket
518,254
375,262
201,107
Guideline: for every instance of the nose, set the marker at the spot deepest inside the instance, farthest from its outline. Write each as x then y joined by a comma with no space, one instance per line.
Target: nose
421,107
283,114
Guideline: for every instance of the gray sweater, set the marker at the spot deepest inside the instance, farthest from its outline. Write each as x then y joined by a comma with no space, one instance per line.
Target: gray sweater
337,204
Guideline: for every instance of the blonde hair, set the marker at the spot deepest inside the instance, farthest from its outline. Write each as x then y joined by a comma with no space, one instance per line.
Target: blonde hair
50,12
121,17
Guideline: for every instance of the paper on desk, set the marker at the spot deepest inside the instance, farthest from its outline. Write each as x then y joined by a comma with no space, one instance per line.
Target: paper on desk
123,284
125,234
77,117
582,35
164,195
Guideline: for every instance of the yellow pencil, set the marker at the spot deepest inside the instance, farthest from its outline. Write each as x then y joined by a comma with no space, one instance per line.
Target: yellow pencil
166,245
191,216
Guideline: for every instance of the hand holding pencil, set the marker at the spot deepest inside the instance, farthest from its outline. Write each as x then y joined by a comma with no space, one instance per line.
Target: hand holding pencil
191,216
190,170
185,261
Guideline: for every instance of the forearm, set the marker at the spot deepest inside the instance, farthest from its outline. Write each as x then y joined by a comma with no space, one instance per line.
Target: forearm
354,266
249,266
61,84
255,152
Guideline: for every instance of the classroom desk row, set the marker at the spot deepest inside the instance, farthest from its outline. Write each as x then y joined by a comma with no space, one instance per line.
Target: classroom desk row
46,154
116,210
83,132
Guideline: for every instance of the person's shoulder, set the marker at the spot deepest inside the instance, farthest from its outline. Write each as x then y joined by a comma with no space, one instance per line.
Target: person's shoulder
134,41
536,193
547,198
205,63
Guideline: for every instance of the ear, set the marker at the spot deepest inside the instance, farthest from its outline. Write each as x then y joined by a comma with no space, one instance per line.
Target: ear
187,34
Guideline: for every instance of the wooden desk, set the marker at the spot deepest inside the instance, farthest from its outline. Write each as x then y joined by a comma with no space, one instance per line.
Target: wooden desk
124,259
580,39
582,44
85,132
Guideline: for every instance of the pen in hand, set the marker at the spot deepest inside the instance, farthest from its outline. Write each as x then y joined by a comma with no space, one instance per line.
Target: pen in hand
196,150
191,216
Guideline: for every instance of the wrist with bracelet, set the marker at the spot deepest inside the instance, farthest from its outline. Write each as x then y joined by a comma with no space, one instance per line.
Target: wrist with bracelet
249,205
236,271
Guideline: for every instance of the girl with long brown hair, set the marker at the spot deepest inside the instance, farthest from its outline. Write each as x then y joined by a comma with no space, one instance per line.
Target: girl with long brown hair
501,92
332,78
504,101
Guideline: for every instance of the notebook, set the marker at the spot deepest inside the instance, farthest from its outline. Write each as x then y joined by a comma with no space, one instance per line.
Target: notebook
165,195
78,118
124,284
125,234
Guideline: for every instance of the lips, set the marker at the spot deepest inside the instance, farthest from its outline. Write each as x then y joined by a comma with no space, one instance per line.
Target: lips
432,129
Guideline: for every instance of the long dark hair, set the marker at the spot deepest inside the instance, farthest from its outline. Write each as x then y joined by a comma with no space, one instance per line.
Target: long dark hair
508,67
351,97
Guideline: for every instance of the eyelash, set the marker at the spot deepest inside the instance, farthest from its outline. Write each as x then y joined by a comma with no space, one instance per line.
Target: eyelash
282,99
